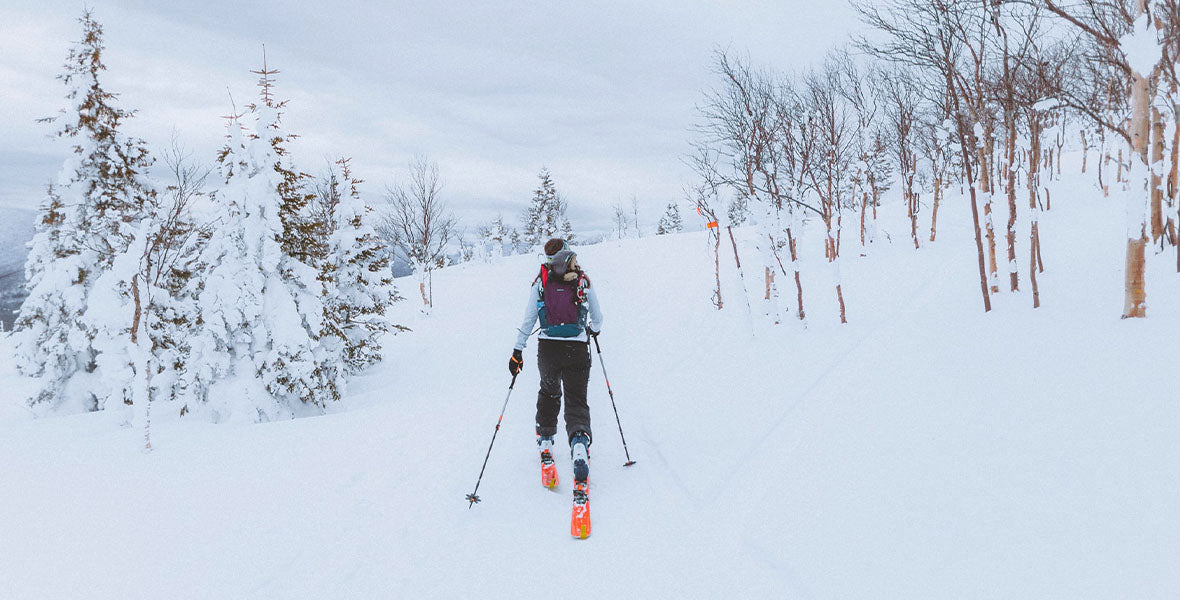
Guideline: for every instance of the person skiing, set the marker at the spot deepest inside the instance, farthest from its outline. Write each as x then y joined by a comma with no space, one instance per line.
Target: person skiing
566,305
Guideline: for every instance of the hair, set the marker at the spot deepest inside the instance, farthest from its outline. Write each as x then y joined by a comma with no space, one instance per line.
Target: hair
553,246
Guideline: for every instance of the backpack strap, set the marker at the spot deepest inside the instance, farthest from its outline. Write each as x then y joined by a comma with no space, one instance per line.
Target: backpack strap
583,283
543,277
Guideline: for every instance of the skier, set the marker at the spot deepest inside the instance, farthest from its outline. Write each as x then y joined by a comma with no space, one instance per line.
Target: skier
564,302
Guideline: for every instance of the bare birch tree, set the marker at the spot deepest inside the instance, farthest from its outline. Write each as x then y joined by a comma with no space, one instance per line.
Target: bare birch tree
420,222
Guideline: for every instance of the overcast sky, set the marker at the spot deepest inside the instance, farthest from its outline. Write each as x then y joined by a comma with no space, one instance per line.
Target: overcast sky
604,94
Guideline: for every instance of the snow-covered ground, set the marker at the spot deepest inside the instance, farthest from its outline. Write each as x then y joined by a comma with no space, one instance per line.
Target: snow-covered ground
923,450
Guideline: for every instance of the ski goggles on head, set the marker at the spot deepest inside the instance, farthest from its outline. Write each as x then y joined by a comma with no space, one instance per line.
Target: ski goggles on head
564,262
564,247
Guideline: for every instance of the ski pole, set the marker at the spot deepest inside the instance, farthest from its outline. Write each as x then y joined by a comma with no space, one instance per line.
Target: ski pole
612,403
472,498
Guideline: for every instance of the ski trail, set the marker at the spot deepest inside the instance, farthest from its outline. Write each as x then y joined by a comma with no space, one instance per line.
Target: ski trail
740,466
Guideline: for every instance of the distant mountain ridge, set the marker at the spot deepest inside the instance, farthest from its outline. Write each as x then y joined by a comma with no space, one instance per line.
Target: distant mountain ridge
16,229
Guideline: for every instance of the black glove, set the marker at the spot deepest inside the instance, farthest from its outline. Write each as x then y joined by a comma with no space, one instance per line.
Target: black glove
592,333
516,363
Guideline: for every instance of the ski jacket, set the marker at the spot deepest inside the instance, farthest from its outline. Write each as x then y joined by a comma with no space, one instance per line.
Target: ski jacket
594,320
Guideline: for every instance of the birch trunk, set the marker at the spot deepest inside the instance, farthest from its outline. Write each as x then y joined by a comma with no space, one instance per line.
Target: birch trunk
993,267
934,209
1157,192
717,268
1085,150
1010,186
1134,287
1034,234
795,267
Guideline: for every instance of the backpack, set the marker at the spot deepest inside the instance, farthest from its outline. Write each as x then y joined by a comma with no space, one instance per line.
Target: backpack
561,304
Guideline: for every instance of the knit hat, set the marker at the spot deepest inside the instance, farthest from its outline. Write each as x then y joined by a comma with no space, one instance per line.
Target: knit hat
553,246
564,262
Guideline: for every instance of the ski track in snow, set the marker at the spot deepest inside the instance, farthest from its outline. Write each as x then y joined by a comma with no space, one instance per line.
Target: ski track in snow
924,450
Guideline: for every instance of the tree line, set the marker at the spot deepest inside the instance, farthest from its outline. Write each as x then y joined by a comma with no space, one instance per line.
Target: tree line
977,95
245,290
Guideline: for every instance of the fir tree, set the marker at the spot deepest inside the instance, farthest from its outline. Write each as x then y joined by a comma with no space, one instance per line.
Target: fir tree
359,285
545,217
671,221
261,307
739,210
514,240
143,309
498,235
302,237
87,220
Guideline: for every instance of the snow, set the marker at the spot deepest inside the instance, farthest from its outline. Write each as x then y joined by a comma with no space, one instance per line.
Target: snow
1047,104
925,450
1141,47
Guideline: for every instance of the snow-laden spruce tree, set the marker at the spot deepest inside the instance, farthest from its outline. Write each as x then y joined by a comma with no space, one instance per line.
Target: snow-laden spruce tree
143,308
671,222
120,307
87,220
261,306
358,282
545,217
498,236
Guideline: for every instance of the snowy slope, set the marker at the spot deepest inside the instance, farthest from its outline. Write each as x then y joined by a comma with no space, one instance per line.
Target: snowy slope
924,450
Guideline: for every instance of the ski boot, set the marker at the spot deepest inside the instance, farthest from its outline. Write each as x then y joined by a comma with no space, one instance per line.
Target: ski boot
580,453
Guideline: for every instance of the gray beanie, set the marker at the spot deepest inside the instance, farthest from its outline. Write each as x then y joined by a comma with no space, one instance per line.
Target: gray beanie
561,261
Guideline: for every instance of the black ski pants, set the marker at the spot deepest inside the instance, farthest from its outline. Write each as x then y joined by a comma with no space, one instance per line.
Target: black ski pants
563,366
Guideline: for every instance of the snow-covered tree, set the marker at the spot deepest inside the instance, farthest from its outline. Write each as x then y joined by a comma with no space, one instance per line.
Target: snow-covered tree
671,221
622,225
358,283
515,240
87,220
738,211
545,217
303,235
635,217
498,235
143,309
261,307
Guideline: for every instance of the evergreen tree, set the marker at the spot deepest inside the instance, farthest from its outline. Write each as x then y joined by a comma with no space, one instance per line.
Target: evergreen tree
87,220
261,307
358,282
671,221
739,210
303,235
514,240
545,217
498,235
143,309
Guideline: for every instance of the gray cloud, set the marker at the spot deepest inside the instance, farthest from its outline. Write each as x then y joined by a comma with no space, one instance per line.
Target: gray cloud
601,93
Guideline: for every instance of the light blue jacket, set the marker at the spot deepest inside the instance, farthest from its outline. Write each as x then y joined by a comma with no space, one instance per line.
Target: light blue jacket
530,318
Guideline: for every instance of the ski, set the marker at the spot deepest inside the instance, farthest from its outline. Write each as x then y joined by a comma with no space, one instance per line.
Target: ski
548,470
580,523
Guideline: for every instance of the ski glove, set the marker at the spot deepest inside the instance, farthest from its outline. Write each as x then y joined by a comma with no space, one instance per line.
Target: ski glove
516,363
